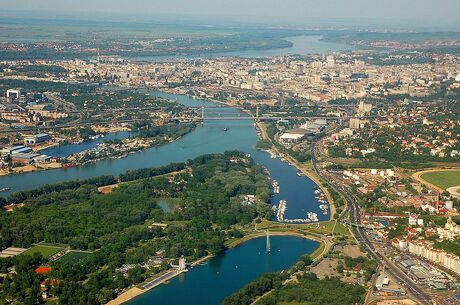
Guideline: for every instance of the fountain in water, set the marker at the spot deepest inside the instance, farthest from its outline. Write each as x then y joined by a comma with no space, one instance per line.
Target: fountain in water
268,248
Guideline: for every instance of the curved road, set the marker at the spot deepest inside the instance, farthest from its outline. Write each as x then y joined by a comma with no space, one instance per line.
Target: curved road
361,236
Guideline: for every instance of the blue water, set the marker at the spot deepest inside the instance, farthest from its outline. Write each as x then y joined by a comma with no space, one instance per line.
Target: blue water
302,45
209,138
224,274
209,284
68,149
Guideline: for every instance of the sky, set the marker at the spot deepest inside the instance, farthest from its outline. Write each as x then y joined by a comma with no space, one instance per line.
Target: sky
409,12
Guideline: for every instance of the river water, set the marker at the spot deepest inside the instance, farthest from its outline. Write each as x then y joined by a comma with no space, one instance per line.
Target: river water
224,274
302,45
209,138
69,149
209,284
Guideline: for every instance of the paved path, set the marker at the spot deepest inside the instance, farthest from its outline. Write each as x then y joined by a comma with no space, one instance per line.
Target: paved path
454,191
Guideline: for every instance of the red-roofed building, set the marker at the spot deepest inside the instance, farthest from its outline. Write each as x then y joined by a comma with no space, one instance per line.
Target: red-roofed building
43,270
52,283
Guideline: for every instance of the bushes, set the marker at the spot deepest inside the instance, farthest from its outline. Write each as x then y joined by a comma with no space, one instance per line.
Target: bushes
151,172
248,293
313,291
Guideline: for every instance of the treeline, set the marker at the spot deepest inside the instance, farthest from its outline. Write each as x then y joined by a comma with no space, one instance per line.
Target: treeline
450,246
175,130
130,175
151,172
57,187
313,291
301,156
338,201
115,225
306,289
247,294
41,70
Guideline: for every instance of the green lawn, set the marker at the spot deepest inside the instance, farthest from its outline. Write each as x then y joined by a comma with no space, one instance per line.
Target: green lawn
46,251
443,179
325,227
74,256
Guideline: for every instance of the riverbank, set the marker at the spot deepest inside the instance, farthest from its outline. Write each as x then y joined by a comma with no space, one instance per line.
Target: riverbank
135,292
30,168
95,154
304,169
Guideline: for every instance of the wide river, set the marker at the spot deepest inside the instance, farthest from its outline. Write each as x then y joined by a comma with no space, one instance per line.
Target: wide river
301,45
224,274
208,138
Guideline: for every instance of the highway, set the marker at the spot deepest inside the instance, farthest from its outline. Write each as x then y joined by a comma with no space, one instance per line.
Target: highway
355,217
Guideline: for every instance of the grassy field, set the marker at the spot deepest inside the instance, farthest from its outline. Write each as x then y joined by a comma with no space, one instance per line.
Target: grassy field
44,250
443,179
322,227
74,256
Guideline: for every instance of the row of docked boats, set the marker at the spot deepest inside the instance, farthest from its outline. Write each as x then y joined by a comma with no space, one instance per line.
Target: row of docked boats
281,210
276,186
311,217
322,199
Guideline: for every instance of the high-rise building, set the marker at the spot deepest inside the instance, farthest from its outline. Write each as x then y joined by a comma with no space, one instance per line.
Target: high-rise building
355,123
364,108
330,61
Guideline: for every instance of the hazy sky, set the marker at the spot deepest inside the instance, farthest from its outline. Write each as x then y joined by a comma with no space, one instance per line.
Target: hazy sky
443,12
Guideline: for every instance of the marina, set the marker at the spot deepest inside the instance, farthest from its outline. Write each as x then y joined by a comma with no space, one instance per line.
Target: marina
281,210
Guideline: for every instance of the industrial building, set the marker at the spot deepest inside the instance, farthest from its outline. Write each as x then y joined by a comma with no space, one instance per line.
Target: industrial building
37,139
13,93
9,150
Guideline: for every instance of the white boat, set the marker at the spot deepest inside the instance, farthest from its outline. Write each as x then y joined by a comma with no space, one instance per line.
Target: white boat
312,216
281,210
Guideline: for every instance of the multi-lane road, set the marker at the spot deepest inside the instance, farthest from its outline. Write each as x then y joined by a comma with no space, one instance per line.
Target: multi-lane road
360,234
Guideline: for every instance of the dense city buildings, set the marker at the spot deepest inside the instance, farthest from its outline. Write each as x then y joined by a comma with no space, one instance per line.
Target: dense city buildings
237,165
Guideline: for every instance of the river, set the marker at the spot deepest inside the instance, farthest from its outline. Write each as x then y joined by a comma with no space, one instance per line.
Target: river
222,275
208,138
69,149
302,45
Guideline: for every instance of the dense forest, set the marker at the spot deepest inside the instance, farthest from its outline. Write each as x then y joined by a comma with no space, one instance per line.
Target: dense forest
117,227
313,291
